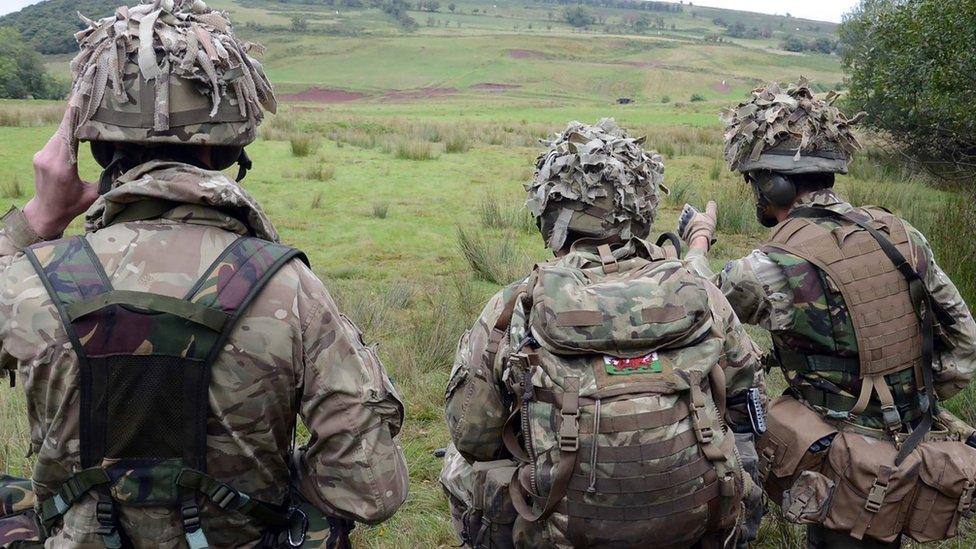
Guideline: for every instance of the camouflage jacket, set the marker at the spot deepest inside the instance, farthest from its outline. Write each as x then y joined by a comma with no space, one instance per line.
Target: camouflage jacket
740,361
759,291
292,355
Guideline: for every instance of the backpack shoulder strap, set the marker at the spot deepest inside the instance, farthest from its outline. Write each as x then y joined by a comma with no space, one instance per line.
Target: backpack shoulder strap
71,274
237,276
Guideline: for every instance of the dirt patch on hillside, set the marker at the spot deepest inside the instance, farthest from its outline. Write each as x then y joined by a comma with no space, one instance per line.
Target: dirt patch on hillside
395,96
526,54
494,87
323,95
644,64
721,87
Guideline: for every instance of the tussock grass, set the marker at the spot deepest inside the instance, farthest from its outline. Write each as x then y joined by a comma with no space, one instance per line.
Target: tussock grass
736,210
493,215
412,149
303,144
316,202
12,189
381,209
29,115
457,142
493,260
952,236
715,172
320,172
682,191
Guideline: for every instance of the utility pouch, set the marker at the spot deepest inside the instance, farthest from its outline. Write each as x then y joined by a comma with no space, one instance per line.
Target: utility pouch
807,501
490,523
789,446
947,481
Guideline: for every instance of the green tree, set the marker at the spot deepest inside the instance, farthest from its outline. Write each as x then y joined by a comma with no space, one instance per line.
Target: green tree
299,24
911,65
578,16
22,73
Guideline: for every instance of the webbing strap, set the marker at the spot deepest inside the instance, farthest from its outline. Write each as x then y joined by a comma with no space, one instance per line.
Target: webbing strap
646,451
568,451
70,492
817,363
640,421
641,512
205,316
227,498
921,300
643,483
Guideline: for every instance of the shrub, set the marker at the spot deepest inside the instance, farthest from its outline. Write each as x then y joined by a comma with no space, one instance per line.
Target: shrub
697,98
666,99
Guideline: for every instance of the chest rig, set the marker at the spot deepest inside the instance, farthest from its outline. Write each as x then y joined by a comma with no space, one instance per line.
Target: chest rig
863,254
144,373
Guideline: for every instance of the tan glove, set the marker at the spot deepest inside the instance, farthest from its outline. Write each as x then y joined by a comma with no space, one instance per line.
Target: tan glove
693,223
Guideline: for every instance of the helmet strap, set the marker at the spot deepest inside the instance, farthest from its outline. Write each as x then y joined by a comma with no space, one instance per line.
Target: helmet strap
114,168
243,165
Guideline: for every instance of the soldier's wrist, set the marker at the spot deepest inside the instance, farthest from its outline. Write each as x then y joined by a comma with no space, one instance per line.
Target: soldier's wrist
46,224
19,230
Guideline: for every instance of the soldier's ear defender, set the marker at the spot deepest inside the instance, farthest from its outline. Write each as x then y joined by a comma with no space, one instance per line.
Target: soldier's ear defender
775,187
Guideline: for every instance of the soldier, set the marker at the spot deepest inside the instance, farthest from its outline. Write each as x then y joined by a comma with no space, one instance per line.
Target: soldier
869,331
590,405
167,353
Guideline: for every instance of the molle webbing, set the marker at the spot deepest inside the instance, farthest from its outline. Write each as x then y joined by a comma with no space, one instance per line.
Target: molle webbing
875,293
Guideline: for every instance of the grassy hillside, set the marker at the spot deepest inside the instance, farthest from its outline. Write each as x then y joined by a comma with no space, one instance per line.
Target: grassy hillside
389,143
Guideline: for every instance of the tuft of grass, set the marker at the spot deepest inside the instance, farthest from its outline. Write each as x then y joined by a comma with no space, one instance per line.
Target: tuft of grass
495,216
490,259
12,189
697,98
320,172
412,149
736,209
303,145
682,191
951,235
715,172
316,201
666,148
381,208
457,142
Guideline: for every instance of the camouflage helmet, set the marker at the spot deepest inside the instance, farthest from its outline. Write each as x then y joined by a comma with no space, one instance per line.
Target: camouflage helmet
595,181
789,131
170,71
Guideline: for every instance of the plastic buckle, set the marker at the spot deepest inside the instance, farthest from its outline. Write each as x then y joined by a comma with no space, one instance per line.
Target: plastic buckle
891,418
966,500
60,504
703,433
569,432
876,497
296,539
224,496
197,539
191,517
797,506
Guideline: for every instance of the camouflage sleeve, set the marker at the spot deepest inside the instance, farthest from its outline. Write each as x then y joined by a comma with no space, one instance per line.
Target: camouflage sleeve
956,360
475,405
352,466
754,285
15,235
740,360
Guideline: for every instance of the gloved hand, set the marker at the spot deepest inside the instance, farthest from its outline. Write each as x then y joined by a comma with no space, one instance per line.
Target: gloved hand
693,223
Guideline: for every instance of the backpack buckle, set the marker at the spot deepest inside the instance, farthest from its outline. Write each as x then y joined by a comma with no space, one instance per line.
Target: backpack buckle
569,431
297,527
966,500
876,496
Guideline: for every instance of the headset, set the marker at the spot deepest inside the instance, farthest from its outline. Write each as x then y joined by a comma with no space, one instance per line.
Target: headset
774,187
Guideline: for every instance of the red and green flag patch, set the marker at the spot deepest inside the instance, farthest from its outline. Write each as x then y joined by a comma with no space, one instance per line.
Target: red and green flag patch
649,364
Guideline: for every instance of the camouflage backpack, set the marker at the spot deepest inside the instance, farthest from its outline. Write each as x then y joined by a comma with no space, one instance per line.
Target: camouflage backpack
619,397
144,367
19,526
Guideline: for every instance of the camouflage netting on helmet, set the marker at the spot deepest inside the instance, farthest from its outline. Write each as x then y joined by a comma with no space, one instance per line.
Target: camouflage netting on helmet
789,131
170,71
595,181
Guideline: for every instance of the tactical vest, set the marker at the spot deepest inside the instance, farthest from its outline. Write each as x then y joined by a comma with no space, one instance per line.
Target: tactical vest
144,368
853,312
617,422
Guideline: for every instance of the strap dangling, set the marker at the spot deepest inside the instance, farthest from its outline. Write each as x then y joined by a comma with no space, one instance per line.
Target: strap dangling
195,538
243,165
108,528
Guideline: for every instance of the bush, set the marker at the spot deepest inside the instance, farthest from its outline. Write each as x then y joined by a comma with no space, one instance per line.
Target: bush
911,64
666,99
697,98
578,16
303,145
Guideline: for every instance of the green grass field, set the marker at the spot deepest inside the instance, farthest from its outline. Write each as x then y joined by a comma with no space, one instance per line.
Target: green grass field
376,189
